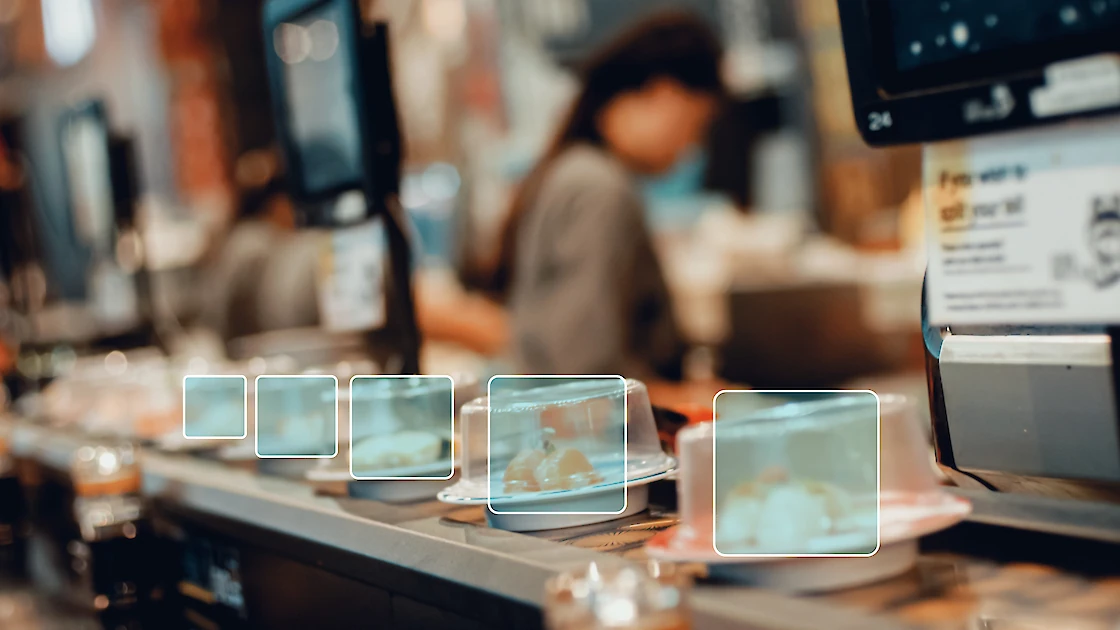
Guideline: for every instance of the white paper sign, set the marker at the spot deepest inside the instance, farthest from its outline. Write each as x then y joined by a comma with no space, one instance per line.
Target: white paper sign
115,302
352,278
1025,228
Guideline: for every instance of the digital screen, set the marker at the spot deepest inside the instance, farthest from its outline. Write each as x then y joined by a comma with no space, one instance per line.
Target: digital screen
322,114
932,32
85,145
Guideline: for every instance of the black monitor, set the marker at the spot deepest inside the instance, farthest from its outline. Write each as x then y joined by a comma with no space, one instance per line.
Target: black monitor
333,98
336,117
101,176
85,139
931,70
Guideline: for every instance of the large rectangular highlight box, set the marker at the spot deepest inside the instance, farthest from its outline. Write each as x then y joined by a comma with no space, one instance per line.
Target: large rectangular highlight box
215,407
796,474
555,441
402,428
296,417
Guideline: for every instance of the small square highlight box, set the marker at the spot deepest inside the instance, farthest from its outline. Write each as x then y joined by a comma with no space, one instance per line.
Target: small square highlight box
796,474
557,445
402,428
296,417
215,407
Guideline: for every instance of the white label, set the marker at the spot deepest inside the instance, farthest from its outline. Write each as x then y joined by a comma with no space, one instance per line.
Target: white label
114,299
352,278
1077,86
1025,228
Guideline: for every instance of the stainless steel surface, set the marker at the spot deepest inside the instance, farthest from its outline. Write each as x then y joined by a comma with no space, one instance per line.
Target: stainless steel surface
945,592
431,538
512,566
1039,406
1094,520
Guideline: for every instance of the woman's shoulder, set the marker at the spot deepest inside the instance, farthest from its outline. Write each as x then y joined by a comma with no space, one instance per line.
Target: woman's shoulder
585,168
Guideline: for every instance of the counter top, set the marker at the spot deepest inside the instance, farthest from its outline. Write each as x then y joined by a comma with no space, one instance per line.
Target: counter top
957,585
450,543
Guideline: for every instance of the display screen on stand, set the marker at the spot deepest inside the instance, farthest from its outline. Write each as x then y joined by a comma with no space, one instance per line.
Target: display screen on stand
85,146
322,112
87,151
935,43
937,32
333,94
352,275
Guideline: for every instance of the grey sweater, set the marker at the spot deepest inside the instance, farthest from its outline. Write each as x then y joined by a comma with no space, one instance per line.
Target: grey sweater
588,295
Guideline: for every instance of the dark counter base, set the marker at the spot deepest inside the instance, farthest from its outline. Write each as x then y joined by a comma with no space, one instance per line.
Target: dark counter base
288,582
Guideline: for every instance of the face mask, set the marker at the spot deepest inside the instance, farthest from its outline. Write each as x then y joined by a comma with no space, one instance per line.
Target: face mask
685,179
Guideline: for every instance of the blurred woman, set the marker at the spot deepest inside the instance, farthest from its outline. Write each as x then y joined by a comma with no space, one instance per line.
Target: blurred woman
235,297
584,287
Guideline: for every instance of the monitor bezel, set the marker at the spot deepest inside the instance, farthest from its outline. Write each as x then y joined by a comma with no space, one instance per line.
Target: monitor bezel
97,110
277,12
982,66
935,114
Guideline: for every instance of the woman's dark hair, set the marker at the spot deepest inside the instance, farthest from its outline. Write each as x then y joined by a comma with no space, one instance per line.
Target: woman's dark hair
255,201
671,45
259,180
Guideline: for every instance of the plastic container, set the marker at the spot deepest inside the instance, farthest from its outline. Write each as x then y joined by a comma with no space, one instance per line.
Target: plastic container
810,436
559,456
799,479
402,439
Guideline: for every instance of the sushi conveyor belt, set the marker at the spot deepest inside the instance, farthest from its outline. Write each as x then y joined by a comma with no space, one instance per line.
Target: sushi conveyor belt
976,576
972,576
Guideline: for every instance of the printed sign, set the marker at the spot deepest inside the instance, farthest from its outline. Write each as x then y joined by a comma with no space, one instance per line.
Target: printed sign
115,302
352,278
1025,228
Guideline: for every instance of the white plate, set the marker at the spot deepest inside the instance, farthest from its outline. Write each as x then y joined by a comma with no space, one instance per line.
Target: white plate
637,500
565,508
474,493
820,575
561,509
903,517
246,450
327,474
404,491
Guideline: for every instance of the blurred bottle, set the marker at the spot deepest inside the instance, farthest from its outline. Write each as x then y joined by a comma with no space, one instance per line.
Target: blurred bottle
635,598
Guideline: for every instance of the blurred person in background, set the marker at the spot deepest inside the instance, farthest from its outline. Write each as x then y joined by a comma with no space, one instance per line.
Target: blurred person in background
577,266
263,230
264,276
11,180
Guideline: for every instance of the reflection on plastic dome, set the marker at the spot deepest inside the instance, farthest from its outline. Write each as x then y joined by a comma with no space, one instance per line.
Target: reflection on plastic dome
800,479
297,417
214,407
550,435
402,427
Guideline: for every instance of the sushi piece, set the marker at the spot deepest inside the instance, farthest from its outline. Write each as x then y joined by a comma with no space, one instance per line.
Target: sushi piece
399,450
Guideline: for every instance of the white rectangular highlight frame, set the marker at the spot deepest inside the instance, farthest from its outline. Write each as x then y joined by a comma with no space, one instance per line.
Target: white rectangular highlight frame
625,444
350,463
257,414
244,408
878,473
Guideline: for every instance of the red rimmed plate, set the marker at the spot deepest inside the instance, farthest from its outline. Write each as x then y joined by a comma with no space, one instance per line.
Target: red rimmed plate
902,517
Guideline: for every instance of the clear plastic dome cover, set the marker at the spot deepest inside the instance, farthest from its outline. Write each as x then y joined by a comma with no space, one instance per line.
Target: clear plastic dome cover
297,417
401,424
788,480
574,434
818,452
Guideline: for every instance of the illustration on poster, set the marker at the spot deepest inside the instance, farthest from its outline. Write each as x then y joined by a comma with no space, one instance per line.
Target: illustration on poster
1104,241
